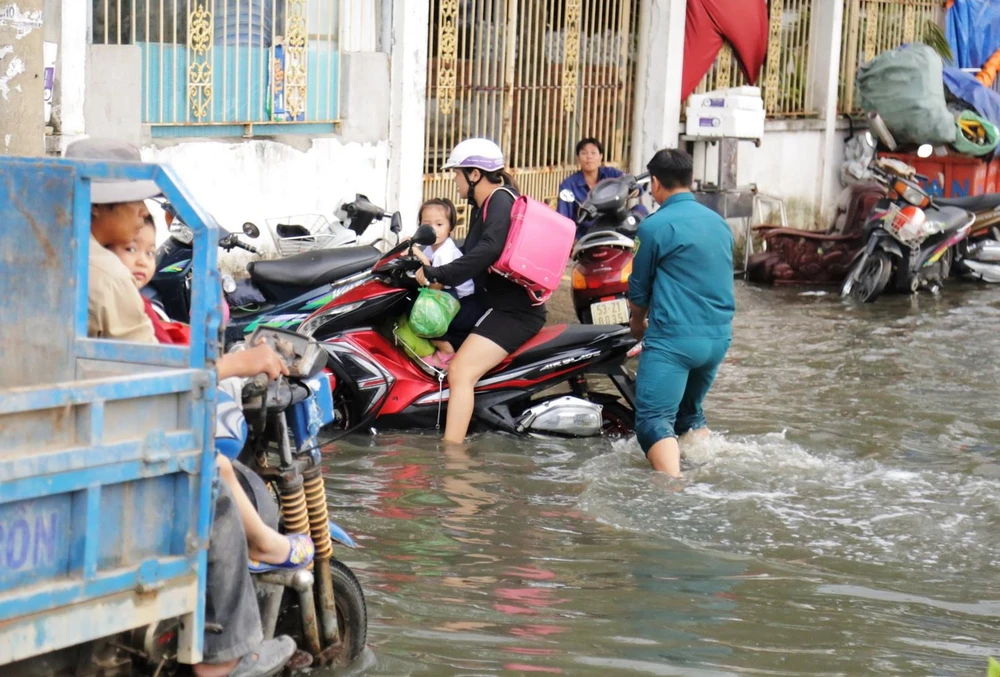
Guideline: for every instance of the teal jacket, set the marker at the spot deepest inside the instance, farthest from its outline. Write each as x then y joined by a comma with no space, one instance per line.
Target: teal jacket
683,271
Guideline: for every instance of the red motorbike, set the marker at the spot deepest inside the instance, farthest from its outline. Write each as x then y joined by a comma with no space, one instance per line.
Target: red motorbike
603,256
380,384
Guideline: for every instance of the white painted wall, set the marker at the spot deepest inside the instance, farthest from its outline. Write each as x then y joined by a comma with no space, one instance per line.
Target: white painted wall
258,180
789,164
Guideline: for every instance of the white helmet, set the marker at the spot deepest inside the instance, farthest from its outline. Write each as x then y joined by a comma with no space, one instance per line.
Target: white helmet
480,154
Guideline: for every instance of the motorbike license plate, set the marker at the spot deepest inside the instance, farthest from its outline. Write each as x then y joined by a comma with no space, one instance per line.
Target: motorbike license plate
610,312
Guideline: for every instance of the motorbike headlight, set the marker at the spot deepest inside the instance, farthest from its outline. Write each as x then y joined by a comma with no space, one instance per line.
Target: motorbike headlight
914,196
182,233
309,327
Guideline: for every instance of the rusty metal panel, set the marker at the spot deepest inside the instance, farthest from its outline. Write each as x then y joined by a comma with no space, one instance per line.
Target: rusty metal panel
105,481
533,75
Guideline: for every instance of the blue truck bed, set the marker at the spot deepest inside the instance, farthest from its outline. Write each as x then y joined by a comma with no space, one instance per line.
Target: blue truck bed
106,448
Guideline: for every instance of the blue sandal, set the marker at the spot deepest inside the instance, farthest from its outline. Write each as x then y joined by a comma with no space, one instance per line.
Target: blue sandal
299,556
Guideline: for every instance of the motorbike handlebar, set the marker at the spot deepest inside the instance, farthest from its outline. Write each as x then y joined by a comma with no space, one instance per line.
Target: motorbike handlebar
249,247
232,241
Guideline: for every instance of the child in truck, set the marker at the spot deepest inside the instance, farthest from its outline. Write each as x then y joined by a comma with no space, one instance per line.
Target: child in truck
268,548
441,215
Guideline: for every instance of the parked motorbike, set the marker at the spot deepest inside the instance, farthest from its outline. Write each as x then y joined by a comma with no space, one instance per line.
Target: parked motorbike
603,256
978,256
279,293
322,609
379,383
910,239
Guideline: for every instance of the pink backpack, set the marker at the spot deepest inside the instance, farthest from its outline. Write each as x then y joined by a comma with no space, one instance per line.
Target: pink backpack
537,249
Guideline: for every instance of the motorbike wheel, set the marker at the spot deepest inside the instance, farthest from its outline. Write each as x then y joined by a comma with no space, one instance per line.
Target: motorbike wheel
873,277
617,419
352,611
352,614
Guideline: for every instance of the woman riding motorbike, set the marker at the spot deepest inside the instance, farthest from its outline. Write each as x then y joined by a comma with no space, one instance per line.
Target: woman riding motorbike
508,317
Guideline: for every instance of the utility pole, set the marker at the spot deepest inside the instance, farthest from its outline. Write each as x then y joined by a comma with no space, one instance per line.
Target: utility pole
22,82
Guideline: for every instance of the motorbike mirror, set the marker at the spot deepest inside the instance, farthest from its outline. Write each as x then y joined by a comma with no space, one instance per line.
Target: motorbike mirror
925,151
566,195
251,230
884,135
424,236
396,224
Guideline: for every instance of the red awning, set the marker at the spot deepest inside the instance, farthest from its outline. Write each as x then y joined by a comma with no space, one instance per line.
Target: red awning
743,23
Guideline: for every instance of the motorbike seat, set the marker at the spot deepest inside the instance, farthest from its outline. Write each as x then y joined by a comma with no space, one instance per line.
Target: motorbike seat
973,203
949,217
556,338
314,268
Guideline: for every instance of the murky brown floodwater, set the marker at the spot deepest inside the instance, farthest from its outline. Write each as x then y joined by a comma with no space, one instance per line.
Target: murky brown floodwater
845,521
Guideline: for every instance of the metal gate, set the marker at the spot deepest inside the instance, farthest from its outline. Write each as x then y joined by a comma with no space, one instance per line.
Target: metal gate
533,75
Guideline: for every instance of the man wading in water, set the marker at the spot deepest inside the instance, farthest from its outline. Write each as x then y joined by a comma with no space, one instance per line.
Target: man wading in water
682,282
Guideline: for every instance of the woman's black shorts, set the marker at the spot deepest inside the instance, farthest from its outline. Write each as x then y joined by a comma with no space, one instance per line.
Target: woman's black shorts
510,329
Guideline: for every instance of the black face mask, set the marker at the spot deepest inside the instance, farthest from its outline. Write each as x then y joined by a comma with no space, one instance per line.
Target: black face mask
472,185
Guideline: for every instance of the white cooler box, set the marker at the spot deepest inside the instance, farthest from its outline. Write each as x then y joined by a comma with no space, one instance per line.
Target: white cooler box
710,121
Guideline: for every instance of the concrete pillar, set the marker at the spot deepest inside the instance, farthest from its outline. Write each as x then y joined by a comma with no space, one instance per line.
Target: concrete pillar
657,118
22,81
408,54
827,29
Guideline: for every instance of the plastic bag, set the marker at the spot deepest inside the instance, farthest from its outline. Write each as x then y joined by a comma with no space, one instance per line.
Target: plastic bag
420,347
986,135
432,312
905,87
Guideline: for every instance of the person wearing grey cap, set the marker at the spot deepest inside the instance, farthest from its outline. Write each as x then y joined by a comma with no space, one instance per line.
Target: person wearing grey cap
235,647
117,214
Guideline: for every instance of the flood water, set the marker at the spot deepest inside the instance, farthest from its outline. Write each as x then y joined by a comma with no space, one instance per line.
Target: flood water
845,519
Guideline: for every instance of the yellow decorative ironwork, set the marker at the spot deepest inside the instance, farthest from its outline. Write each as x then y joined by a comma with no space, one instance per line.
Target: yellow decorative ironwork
909,23
773,66
447,50
871,31
296,66
571,54
872,27
724,66
199,75
542,74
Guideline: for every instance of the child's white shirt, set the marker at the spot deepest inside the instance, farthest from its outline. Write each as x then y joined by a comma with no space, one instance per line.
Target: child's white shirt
446,253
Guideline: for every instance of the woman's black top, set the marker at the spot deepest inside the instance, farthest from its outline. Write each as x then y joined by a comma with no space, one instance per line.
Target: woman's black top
482,248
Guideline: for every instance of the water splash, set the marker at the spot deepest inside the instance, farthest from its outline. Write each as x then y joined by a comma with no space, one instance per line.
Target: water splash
763,496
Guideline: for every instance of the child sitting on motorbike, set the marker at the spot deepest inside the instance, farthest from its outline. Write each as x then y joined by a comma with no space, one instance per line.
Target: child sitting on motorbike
268,549
441,215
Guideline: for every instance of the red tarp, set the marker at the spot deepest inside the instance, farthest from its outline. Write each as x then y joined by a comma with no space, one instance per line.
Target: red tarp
742,23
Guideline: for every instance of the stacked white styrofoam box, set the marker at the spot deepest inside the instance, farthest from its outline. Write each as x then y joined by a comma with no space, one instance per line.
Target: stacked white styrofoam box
738,111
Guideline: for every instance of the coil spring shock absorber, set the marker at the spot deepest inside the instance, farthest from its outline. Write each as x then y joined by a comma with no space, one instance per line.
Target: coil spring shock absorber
293,504
319,523
319,520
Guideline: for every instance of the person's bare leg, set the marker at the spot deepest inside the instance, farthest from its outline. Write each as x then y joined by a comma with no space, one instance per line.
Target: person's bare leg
665,457
476,357
264,544
444,346
695,435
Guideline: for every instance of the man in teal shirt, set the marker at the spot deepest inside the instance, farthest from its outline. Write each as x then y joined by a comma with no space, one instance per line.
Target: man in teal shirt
682,288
